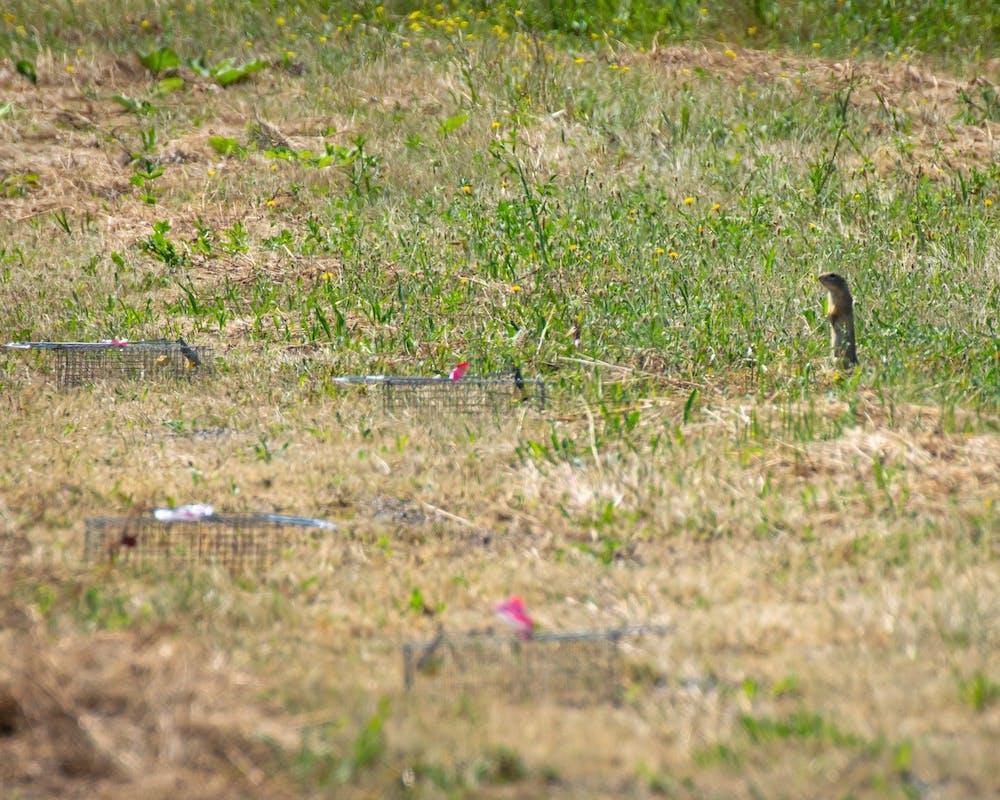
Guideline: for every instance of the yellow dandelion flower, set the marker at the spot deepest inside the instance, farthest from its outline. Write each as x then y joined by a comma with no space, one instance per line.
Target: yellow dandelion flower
322,40
211,172
716,206
729,53
144,23
466,189
9,18
674,254
70,68
279,21
327,276
688,200
660,251
988,202
405,44
579,60
495,124
189,8
515,288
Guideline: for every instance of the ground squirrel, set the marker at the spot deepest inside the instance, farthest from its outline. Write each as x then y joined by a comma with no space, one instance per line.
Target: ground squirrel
840,312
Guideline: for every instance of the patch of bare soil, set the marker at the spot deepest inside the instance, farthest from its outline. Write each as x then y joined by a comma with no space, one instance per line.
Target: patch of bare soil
109,714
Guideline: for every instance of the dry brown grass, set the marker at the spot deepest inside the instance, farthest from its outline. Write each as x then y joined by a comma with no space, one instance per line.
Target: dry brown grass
878,602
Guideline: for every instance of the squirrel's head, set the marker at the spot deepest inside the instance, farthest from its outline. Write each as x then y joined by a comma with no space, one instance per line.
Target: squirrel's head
833,282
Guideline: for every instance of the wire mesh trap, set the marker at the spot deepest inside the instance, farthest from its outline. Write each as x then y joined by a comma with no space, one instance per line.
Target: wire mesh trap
240,543
570,668
496,392
78,363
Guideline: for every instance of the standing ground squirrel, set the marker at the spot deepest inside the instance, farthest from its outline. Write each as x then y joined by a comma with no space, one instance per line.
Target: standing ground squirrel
840,312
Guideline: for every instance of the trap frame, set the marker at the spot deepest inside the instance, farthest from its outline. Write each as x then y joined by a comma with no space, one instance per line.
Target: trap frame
495,392
78,363
572,668
241,543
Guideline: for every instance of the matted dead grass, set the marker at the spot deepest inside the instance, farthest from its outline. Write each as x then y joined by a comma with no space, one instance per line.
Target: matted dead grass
79,142
867,606
88,716
929,106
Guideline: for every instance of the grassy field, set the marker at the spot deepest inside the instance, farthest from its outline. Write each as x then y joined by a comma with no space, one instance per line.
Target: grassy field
631,203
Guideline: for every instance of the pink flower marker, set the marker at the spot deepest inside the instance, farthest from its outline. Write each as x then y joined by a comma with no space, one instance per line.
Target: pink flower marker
513,612
459,370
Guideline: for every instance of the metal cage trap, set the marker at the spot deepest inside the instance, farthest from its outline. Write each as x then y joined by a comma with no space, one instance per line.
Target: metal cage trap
78,363
243,544
570,668
495,392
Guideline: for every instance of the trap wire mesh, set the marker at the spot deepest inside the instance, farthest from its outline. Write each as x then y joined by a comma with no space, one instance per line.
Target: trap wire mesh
569,668
243,544
491,393
78,363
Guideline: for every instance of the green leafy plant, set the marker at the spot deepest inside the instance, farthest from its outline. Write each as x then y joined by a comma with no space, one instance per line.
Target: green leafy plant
162,59
226,146
227,71
20,185
979,691
26,69
160,245
452,124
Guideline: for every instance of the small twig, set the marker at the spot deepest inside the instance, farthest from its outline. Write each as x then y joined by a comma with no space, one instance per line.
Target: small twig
593,441
449,515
